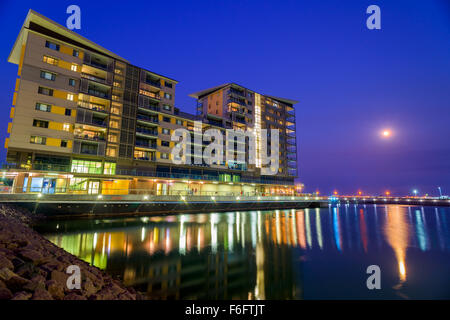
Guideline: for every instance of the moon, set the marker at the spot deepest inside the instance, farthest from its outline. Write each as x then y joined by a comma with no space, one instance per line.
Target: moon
386,133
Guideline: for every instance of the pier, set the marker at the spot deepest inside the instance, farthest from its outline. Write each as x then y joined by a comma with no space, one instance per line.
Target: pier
76,205
417,201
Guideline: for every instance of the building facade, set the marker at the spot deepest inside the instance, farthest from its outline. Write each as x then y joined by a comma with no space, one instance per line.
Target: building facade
85,120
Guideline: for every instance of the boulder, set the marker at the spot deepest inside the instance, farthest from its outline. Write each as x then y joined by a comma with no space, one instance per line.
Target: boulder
22,295
74,296
41,294
5,294
5,263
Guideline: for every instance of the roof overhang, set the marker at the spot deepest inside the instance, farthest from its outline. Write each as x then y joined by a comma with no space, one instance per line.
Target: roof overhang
33,16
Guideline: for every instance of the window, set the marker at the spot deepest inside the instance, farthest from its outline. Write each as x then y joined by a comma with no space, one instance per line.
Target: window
114,124
52,45
38,140
165,144
64,143
165,131
111,152
50,60
46,91
43,107
168,84
68,112
40,123
110,168
167,96
70,96
48,75
85,166
115,110
72,82
164,155
167,107
112,138
166,119
75,53
74,67
66,127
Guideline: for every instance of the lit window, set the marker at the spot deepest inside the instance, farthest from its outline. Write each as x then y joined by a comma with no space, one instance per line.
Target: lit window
48,75
76,53
165,131
38,140
164,155
72,82
74,67
43,107
111,152
70,96
167,96
50,60
66,127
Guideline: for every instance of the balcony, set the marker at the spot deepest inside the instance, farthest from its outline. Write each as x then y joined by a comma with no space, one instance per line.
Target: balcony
93,78
90,137
146,119
92,106
150,107
154,83
149,94
97,93
147,145
147,132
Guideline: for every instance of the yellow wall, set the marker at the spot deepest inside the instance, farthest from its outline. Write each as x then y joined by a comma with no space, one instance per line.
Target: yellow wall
115,187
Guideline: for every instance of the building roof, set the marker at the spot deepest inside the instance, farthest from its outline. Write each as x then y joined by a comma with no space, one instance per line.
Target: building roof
202,93
35,19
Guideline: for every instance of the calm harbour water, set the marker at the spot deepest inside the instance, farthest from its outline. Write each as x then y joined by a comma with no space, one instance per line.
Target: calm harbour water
281,254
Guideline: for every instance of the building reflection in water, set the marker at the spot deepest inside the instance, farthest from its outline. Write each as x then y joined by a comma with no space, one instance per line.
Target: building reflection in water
397,235
241,254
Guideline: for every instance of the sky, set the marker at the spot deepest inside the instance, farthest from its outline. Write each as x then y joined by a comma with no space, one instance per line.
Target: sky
351,82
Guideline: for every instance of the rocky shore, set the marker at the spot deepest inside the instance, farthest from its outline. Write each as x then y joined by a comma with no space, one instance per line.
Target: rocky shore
33,268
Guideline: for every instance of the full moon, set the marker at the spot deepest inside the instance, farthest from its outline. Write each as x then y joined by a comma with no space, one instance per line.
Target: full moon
386,133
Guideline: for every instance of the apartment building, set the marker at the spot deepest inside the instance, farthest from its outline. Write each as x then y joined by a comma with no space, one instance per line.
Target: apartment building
85,120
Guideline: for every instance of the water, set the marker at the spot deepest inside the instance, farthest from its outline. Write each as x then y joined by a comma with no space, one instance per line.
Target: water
281,254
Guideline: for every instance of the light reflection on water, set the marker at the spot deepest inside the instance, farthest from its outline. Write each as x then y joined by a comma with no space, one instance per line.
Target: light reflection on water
281,254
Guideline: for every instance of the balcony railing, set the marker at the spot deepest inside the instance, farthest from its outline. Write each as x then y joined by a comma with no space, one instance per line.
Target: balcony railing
89,137
148,119
147,132
93,78
99,94
146,145
92,106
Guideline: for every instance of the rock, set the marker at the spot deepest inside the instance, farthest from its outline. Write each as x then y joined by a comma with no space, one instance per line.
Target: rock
37,282
17,262
41,294
31,255
17,283
88,288
5,294
55,290
50,266
22,295
5,263
74,296
59,277
26,270
6,274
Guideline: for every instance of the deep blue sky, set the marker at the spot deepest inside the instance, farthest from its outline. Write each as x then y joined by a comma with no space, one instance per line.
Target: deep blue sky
351,82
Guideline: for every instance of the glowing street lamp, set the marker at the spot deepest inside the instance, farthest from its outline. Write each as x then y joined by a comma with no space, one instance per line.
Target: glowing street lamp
415,192
387,193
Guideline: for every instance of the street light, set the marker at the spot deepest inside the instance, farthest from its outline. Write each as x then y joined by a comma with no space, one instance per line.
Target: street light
415,192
